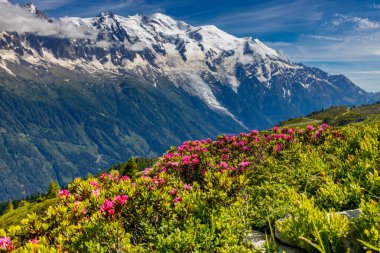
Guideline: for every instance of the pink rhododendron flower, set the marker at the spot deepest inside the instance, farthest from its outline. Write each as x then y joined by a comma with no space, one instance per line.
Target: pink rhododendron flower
121,199
224,165
94,183
291,131
6,243
187,187
225,157
278,147
34,241
173,191
310,128
178,199
146,171
76,205
96,193
107,207
84,211
64,194
124,178
318,134
244,164
103,176
254,132
275,128
185,159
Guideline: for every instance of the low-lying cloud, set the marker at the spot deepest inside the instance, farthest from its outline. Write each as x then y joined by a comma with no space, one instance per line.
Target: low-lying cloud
14,18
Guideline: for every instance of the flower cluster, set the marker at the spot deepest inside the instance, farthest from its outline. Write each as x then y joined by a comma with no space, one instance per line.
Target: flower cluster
6,243
110,206
63,194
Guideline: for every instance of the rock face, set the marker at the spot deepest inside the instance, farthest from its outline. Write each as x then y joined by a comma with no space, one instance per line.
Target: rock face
258,239
110,87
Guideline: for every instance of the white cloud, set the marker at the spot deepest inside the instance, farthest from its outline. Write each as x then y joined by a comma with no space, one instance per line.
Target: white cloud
321,37
14,18
357,22
364,23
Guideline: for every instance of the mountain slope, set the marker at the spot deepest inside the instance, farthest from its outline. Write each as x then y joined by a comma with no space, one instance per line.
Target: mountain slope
86,93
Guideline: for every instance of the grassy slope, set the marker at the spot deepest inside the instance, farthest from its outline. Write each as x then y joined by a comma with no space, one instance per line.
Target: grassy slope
15,216
337,116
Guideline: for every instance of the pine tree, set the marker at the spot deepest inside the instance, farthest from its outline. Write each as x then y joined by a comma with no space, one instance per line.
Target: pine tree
53,190
9,207
130,168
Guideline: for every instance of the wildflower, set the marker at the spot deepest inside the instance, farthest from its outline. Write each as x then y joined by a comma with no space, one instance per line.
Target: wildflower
244,164
121,199
185,159
124,178
187,187
146,171
107,207
310,128
318,134
195,161
291,131
275,128
94,183
76,205
254,132
224,165
96,193
173,191
6,243
278,148
84,211
34,241
64,194
103,176
177,199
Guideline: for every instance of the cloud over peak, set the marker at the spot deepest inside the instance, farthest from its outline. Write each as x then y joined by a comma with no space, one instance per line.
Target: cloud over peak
14,18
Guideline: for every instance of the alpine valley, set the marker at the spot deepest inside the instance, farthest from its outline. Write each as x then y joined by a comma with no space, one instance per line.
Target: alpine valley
72,104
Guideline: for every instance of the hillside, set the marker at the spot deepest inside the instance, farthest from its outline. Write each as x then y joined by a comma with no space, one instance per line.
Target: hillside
338,116
206,196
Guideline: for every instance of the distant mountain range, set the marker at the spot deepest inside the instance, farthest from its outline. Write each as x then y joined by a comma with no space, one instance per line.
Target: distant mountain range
134,86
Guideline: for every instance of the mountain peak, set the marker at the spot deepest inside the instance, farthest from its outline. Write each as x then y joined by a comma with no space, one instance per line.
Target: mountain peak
32,8
109,14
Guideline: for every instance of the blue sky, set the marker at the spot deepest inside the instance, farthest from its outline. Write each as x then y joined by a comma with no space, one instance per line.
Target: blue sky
341,37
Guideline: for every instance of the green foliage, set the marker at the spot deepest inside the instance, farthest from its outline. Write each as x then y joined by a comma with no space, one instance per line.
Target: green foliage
367,227
206,196
316,227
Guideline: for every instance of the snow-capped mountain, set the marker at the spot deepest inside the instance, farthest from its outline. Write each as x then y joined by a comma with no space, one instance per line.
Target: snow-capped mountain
200,60
95,91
